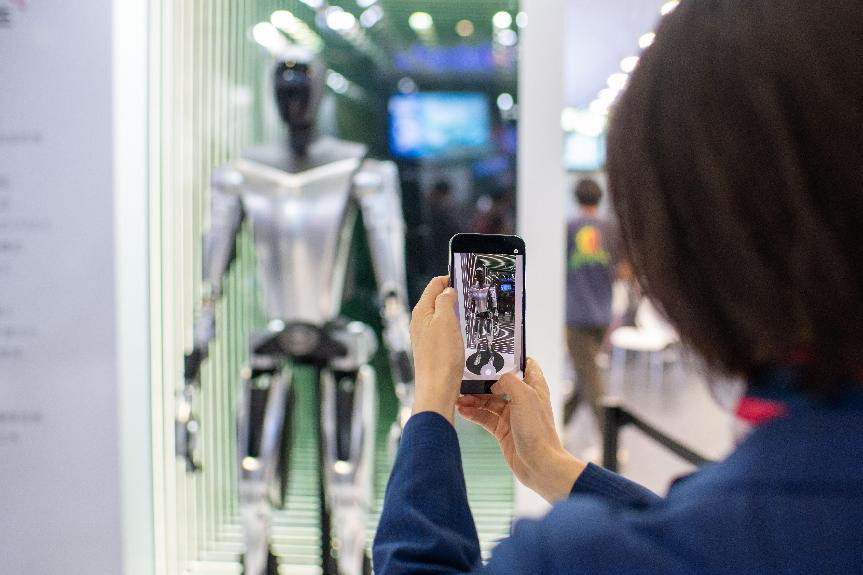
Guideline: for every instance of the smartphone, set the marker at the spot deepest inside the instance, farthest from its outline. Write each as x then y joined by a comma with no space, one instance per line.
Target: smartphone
487,272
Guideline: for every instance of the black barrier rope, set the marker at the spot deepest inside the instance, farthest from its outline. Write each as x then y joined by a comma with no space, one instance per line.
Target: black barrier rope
617,417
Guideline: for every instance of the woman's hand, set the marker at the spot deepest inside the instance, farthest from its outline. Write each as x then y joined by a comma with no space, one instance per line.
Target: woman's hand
438,349
524,428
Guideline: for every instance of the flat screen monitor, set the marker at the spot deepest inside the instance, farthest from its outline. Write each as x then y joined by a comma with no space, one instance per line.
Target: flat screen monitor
434,124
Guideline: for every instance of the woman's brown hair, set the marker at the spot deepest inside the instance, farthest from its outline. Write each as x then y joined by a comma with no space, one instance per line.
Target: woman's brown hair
735,162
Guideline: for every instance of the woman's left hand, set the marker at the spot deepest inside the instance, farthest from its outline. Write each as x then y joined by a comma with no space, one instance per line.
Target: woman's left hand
524,427
438,349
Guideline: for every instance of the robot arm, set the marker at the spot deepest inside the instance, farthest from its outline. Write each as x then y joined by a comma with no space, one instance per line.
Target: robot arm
226,215
219,251
492,296
376,188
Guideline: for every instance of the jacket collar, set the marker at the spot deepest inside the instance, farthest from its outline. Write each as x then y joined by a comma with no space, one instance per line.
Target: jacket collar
804,440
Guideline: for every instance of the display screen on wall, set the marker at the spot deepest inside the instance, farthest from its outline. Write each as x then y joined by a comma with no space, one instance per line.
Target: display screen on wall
433,124
583,153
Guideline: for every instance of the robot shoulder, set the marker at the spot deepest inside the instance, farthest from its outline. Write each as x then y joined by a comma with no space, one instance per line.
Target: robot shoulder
227,178
376,176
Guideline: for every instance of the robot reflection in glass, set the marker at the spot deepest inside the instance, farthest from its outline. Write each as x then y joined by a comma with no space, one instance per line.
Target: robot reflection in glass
302,197
482,306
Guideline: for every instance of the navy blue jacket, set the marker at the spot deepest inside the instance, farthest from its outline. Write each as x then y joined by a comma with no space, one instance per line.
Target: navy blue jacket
789,499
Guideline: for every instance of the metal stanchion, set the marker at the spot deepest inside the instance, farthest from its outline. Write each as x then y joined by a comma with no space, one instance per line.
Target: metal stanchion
617,417
613,422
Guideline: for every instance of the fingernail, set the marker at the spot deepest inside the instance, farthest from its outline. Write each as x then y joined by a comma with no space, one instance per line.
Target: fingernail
449,290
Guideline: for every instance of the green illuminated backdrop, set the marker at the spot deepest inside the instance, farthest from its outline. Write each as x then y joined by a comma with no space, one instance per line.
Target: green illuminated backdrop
206,105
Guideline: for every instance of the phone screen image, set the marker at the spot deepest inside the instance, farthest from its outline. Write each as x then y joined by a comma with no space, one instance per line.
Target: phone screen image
490,309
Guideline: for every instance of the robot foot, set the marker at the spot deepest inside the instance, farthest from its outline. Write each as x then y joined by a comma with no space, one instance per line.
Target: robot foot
272,565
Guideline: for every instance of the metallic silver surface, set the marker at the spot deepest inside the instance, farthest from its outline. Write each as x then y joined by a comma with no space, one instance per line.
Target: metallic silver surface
482,298
378,192
302,213
360,342
350,482
226,215
379,195
296,220
258,472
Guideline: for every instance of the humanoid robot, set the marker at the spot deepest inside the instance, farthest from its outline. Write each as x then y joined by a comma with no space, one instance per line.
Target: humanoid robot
482,299
302,198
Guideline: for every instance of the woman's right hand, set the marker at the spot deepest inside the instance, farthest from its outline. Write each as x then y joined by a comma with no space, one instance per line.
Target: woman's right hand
524,427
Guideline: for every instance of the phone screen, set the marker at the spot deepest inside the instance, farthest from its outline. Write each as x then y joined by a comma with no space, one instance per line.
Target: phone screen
491,314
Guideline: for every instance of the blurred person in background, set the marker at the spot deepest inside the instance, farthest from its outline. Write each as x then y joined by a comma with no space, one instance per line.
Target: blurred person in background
445,221
590,272
493,214
734,161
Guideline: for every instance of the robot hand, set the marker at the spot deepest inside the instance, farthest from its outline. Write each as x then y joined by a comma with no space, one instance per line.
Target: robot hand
186,428
398,341
204,333
397,336
186,423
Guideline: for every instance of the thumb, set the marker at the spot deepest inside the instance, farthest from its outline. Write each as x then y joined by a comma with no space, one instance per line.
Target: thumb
534,377
445,302
512,386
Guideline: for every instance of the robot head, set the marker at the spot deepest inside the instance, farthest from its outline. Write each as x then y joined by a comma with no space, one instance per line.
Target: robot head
298,82
480,277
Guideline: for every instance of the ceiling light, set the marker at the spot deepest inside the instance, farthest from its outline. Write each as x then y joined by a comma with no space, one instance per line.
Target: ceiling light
339,19
407,85
507,37
420,21
283,20
629,63
646,40
371,16
588,123
269,37
668,7
298,30
599,107
502,20
607,95
464,28
521,19
568,119
365,3
505,102
617,81
251,464
337,83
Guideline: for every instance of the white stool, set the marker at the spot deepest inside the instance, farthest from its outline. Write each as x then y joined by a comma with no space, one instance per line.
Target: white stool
652,336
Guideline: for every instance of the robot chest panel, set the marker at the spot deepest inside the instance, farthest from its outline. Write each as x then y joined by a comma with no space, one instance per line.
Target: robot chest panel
298,240
481,297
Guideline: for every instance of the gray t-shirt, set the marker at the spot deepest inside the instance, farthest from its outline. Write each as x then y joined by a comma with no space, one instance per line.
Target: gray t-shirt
590,251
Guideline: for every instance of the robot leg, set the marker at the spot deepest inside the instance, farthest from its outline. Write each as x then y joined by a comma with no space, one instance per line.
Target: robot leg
261,411
348,420
477,336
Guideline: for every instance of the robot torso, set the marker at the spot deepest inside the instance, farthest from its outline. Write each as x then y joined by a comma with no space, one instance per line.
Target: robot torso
302,221
483,298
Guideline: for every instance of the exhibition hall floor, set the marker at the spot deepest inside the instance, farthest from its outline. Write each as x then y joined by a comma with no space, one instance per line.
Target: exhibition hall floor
680,405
